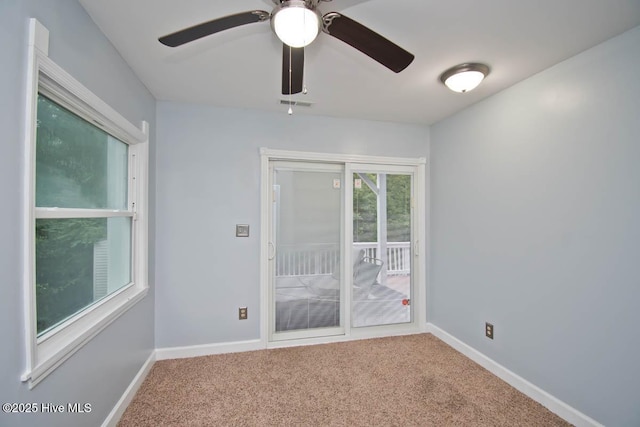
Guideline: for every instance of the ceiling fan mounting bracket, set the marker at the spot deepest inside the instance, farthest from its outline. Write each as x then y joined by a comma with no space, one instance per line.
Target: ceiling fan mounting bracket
327,20
262,15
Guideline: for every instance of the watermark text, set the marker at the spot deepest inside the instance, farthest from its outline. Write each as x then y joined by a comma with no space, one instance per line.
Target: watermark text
46,408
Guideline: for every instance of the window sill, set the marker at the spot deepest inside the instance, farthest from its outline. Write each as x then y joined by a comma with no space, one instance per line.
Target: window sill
54,349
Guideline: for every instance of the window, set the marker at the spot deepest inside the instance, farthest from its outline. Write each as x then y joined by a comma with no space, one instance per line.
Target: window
83,216
86,238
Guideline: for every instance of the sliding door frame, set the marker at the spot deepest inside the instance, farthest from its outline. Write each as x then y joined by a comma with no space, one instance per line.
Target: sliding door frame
420,275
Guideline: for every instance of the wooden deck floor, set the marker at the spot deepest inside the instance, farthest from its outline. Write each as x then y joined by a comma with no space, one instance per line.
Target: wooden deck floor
401,284
313,302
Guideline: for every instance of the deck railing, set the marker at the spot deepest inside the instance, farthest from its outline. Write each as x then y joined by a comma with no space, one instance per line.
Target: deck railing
322,258
307,260
398,256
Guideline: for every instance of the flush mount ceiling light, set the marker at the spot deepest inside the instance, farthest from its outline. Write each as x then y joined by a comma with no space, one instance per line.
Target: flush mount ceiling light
295,23
464,77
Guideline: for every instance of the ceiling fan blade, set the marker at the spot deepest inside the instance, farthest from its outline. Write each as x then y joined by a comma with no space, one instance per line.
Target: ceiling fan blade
211,27
292,59
366,41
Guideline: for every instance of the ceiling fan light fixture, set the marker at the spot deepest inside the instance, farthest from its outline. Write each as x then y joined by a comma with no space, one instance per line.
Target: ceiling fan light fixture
295,23
464,77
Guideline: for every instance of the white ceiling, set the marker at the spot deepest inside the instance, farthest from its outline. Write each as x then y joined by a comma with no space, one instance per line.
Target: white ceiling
241,67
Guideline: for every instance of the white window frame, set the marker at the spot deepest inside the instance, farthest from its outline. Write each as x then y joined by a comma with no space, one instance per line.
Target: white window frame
45,353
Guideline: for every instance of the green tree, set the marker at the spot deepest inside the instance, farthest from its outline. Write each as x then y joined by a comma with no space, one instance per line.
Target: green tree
71,170
398,208
365,202
64,266
365,218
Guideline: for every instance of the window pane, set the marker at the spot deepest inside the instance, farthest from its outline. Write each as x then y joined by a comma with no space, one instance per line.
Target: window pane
77,164
308,226
78,262
399,208
381,249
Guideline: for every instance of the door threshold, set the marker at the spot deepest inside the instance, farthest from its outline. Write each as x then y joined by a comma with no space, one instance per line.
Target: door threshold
355,335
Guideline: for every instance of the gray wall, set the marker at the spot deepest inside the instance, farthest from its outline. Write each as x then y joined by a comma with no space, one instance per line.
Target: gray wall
534,221
535,227
100,372
209,180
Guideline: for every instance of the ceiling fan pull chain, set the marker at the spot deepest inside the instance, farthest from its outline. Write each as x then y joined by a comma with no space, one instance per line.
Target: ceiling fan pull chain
304,85
290,112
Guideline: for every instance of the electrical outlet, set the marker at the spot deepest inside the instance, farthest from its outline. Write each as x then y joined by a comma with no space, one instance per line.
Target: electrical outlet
488,330
242,313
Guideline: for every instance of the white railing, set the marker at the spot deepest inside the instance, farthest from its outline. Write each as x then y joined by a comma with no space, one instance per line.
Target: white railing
324,258
307,260
398,256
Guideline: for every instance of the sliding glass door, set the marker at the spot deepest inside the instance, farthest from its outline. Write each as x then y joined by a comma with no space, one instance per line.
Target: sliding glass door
306,237
340,249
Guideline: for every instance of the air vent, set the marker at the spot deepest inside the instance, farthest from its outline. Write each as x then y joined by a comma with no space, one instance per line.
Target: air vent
294,103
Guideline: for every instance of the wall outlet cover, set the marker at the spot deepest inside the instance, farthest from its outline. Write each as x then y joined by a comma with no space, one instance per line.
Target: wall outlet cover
488,330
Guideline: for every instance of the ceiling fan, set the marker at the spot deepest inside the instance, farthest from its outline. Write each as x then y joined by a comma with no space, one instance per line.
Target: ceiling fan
297,23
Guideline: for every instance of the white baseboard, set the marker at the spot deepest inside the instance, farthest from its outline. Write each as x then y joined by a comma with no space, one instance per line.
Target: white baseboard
126,398
208,349
258,344
552,403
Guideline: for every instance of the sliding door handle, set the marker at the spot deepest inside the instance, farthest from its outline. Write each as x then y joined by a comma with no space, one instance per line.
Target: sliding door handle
272,251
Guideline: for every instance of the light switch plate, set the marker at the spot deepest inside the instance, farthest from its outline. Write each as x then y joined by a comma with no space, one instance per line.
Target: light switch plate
242,230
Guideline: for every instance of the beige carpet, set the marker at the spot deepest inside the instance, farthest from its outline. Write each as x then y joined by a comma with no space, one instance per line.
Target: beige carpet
414,380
